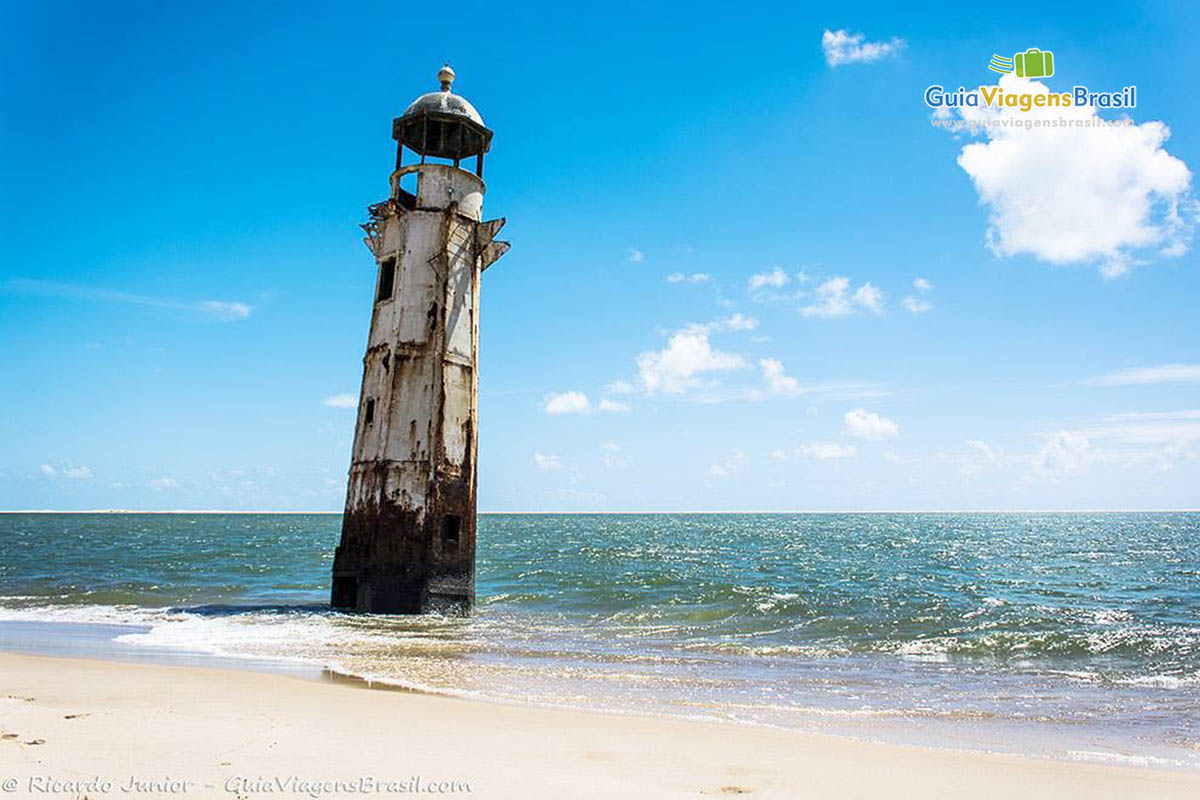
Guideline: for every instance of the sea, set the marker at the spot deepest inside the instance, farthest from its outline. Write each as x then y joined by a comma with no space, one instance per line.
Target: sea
1060,635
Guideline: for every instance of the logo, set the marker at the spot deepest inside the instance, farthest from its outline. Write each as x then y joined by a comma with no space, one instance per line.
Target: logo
1033,63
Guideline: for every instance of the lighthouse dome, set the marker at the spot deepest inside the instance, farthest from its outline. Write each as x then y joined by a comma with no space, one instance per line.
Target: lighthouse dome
443,103
442,124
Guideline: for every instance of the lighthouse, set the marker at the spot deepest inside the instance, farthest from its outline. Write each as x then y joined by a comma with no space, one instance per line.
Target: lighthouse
408,532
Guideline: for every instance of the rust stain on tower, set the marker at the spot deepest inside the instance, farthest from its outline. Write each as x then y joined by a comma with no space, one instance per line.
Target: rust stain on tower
408,533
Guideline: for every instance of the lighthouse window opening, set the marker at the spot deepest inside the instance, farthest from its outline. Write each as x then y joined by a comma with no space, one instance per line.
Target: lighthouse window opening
451,524
387,279
369,411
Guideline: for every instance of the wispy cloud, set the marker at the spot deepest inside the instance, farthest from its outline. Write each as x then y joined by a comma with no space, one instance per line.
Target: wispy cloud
546,462
695,277
1140,376
578,403
69,472
844,47
222,310
341,401
827,451
635,256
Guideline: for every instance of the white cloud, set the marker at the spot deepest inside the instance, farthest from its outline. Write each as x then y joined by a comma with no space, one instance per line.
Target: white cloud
689,354
1078,193
224,310
775,279
843,47
72,473
987,452
621,387
612,405
728,466
227,311
778,381
695,277
922,285
1140,376
158,484
869,297
578,403
916,305
610,447
867,425
835,299
546,462
1064,453
341,401
676,368
734,323
827,451
567,403
636,256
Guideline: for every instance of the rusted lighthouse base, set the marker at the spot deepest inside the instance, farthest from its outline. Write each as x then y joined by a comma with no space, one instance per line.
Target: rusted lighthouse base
394,560
399,582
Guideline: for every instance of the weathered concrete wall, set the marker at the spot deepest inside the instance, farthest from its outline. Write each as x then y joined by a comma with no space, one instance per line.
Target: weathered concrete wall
408,535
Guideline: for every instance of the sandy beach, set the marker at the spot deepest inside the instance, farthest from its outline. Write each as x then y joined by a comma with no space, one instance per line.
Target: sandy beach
198,732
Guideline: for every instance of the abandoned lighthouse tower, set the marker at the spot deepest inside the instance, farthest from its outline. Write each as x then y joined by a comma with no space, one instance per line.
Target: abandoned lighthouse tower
408,533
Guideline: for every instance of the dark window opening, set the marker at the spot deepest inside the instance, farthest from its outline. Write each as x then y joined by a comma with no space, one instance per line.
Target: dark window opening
387,279
369,411
451,524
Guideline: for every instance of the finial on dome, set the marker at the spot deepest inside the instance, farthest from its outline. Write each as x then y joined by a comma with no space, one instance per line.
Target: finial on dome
446,76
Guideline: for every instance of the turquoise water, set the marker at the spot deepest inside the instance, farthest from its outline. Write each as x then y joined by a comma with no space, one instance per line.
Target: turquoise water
1068,635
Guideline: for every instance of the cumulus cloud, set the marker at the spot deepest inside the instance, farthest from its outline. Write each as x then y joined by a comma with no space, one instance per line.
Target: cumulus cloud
867,425
844,47
1064,453
546,462
344,400
1109,195
827,451
1141,376
678,367
159,484
922,285
835,298
775,279
48,470
567,403
916,305
777,379
636,256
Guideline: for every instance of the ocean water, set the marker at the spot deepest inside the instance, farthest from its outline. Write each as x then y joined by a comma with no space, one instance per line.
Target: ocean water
1065,635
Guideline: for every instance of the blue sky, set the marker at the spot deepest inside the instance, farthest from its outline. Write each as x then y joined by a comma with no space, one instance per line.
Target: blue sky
184,294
